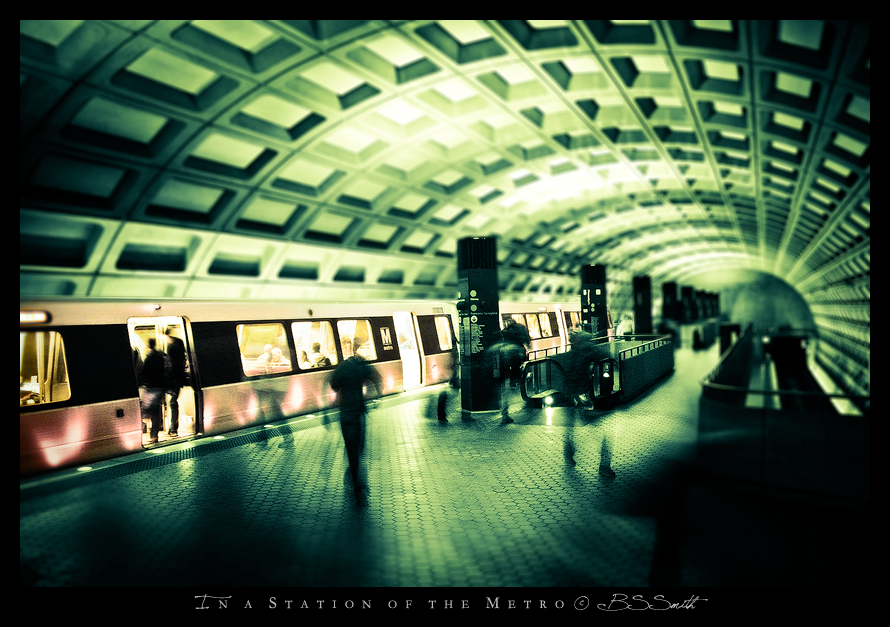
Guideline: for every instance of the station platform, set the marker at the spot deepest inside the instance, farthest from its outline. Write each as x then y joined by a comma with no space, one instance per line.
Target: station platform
466,504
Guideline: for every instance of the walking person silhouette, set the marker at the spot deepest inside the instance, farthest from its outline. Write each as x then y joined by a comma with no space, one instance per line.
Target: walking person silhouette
349,380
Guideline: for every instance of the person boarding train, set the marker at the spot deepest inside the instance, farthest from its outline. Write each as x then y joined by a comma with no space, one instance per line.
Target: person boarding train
156,378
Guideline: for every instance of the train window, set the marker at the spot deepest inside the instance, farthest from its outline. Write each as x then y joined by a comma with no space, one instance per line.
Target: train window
546,331
356,339
517,318
43,374
574,320
534,329
443,331
315,344
264,348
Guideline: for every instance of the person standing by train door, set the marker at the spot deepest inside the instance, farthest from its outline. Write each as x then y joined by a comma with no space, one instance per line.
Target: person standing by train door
176,353
349,380
453,384
156,374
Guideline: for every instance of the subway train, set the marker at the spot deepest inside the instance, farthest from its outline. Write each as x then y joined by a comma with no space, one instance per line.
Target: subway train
549,325
246,363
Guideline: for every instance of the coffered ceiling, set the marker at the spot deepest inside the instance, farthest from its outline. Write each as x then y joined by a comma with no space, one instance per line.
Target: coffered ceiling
346,158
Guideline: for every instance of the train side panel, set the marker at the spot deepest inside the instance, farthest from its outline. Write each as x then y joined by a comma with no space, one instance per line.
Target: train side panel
60,438
233,399
244,404
100,419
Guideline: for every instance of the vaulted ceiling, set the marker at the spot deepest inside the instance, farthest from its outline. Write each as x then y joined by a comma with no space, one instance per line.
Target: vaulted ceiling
346,158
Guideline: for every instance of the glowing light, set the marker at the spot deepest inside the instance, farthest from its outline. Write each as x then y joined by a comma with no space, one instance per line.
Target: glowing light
219,437
69,445
33,317
549,400
85,468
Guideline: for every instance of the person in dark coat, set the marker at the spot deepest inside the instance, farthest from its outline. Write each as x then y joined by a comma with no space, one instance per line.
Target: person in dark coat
506,357
349,380
176,353
156,375
577,386
453,384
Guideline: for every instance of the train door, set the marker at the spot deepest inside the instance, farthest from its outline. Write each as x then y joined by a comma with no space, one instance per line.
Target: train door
412,360
562,331
178,408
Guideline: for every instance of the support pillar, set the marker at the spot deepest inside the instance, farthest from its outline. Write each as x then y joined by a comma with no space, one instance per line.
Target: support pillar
594,313
710,303
687,303
669,308
642,304
477,306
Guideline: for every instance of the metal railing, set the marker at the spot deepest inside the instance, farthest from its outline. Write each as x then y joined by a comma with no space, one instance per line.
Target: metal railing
540,377
785,453
540,353
735,363
543,375
632,351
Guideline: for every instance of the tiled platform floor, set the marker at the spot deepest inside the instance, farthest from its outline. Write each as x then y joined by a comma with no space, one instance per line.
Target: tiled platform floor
459,504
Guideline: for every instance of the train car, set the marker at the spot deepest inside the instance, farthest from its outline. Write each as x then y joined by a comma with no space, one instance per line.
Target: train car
549,325
246,363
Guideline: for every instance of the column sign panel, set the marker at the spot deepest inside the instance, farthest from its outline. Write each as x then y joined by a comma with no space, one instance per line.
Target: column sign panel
642,304
594,311
479,323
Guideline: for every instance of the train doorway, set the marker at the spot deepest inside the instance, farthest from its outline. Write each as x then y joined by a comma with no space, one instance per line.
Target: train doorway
406,333
167,395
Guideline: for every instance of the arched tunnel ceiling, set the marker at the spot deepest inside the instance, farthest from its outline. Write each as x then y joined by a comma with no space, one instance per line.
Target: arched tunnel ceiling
292,158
